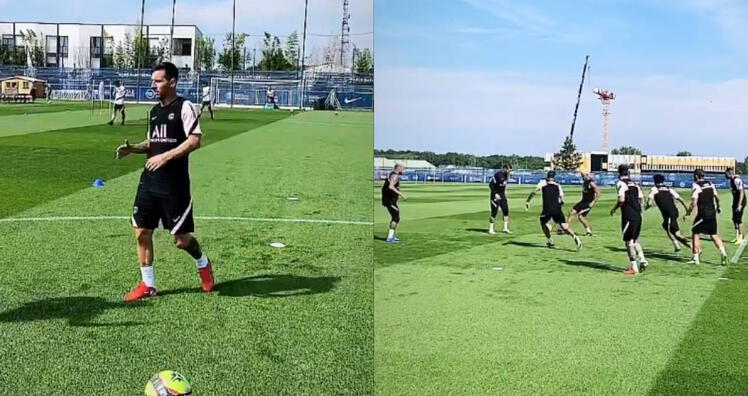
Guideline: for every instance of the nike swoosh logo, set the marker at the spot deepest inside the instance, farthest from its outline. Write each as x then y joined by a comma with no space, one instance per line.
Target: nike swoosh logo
153,118
347,101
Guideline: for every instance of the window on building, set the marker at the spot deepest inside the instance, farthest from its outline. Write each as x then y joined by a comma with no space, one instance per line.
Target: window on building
183,46
96,45
25,85
63,46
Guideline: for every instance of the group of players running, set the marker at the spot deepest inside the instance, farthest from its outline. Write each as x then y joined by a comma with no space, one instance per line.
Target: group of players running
705,206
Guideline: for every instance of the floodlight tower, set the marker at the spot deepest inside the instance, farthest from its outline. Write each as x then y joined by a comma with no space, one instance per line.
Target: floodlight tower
345,33
605,98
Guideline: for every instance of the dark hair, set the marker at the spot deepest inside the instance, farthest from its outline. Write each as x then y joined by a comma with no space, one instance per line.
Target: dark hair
659,179
507,166
623,170
116,83
729,169
699,172
169,69
551,174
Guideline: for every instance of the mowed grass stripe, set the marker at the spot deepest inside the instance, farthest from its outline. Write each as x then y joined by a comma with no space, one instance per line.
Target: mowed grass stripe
23,124
42,107
291,319
47,165
513,317
711,358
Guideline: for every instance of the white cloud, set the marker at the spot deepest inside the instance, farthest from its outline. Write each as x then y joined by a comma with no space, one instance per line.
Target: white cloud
730,16
499,112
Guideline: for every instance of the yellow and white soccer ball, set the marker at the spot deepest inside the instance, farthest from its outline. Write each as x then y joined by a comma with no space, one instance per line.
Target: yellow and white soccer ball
168,383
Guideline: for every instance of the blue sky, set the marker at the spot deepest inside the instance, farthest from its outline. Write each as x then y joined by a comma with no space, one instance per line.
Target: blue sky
213,17
500,76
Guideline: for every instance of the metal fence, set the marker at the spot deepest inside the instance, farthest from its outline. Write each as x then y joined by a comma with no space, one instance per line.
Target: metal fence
457,175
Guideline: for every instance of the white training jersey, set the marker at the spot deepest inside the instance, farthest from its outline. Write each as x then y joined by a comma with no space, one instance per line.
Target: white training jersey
206,94
119,95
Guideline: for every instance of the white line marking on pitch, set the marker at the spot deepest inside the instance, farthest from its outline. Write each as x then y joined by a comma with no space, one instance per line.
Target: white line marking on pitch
219,218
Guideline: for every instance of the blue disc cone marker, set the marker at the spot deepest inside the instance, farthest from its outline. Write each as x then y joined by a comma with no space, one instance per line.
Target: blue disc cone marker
98,183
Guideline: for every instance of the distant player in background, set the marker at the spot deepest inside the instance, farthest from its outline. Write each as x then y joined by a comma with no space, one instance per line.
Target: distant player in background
553,200
706,202
590,195
271,97
630,199
48,92
207,100
498,199
738,204
119,102
665,197
163,195
390,194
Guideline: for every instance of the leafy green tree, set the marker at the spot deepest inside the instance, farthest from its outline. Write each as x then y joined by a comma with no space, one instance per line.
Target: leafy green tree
684,154
626,150
292,49
568,158
364,61
206,53
273,57
230,57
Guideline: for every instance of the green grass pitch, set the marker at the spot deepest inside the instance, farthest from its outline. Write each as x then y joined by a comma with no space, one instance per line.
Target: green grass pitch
281,321
462,312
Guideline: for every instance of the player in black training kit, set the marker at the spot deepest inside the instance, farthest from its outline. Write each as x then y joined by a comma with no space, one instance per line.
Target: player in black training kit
553,200
390,194
498,199
665,197
630,199
590,195
706,202
163,194
738,204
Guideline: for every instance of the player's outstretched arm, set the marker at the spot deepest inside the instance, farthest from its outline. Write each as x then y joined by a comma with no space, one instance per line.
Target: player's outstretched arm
529,198
615,207
683,203
597,194
126,148
393,181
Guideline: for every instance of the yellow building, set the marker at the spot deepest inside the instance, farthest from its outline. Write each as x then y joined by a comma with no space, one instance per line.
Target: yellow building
21,85
604,162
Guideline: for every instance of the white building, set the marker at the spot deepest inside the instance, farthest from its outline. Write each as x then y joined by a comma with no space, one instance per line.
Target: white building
80,44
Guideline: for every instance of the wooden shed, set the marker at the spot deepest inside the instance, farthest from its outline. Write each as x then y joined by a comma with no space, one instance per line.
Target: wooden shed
21,85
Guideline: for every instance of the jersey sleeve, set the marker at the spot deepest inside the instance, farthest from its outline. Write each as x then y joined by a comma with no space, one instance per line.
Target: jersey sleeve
560,191
652,193
540,185
675,194
641,195
189,119
738,183
696,191
622,188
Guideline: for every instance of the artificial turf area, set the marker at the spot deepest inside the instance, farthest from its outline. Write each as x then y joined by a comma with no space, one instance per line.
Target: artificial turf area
281,321
462,312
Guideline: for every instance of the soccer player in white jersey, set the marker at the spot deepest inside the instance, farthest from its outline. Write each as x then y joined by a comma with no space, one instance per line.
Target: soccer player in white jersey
119,102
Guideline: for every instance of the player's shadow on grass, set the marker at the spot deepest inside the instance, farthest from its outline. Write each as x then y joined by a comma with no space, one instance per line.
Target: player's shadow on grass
478,230
537,245
269,286
379,238
79,311
277,286
593,264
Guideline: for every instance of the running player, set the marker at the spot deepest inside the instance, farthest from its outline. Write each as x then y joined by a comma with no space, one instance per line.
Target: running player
665,197
270,93
390,194
553,201
738,204
590,195
498,199
706,202
207,100
119,102
630,199
163,194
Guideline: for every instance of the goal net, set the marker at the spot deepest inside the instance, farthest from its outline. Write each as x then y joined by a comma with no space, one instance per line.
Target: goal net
255,92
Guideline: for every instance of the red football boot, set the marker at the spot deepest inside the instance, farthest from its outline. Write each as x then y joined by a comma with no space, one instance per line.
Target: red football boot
206,277
140,292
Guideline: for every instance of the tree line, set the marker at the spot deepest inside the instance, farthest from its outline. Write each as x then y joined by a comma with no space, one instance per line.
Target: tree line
494,161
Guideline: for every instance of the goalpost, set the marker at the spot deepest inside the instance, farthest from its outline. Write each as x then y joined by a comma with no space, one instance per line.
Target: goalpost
254,92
